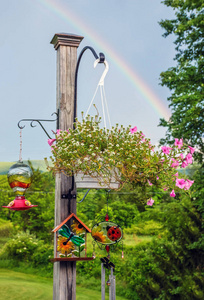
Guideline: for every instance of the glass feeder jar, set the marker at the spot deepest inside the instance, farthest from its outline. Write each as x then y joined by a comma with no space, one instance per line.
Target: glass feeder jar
19,179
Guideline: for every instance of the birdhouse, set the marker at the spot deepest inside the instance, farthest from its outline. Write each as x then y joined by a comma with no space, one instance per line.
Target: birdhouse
19,179
70,240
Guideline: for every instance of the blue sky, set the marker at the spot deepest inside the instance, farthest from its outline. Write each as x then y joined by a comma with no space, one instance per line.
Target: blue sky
28,64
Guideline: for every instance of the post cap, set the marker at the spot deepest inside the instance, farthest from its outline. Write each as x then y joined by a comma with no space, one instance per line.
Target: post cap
66,39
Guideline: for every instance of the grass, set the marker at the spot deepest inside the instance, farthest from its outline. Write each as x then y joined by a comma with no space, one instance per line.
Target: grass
133,240
16,286
20,286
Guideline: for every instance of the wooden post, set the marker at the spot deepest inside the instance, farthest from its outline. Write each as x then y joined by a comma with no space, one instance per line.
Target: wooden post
64,274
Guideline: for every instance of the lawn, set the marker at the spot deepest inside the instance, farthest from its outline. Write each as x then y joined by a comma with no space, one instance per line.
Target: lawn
133,240
20,286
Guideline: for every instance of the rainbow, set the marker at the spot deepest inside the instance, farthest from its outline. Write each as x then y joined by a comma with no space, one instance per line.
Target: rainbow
62,12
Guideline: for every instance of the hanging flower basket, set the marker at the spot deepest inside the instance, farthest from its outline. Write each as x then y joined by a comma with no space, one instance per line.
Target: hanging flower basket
117,155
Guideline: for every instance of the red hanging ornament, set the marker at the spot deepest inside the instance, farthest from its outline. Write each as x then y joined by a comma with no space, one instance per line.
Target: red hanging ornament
106,217
107,248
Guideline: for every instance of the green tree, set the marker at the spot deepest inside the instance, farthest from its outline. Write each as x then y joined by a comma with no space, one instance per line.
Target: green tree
186,79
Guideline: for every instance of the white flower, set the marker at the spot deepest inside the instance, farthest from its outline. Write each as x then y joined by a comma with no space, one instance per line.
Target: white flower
112,153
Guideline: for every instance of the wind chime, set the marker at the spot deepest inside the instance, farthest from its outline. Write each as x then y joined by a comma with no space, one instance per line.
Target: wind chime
107,235
20,179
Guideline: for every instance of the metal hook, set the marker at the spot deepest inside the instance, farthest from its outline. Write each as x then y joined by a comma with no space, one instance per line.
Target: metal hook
101,82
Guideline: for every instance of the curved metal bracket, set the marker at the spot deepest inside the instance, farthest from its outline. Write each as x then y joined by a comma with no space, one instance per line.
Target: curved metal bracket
100,59
84,197
39,122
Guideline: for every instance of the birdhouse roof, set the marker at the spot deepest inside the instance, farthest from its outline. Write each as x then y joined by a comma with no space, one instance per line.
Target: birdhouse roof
67,219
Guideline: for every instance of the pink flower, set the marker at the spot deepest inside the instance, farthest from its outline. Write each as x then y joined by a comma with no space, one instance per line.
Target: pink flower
166,149
188,184
184,164
178,143
157,177
133,130
176,174
181,155
150,202
175,164
172,194
180,183
51,141
189,158
150,183
58,131
192,150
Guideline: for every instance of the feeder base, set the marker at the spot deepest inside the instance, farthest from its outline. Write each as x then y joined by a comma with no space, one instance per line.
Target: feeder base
19,203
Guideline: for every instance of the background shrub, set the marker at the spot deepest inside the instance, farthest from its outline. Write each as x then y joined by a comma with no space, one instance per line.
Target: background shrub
6,228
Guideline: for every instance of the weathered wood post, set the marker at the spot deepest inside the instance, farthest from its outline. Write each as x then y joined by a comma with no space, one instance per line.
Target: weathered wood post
64,274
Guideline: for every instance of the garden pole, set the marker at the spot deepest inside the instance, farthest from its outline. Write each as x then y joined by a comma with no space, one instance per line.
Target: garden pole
64,274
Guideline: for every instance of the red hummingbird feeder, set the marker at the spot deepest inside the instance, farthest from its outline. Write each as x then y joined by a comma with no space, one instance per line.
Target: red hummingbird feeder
20,178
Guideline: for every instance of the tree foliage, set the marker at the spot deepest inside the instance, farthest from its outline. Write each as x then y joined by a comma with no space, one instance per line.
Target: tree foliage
186,79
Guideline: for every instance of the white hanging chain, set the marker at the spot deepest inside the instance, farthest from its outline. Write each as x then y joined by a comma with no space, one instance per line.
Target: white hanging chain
102,93
20,153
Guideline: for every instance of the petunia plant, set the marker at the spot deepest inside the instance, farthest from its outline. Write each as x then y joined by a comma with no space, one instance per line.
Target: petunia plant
120,153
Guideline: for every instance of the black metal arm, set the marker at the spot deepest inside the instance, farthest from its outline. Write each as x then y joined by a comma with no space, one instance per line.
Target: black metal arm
101,58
